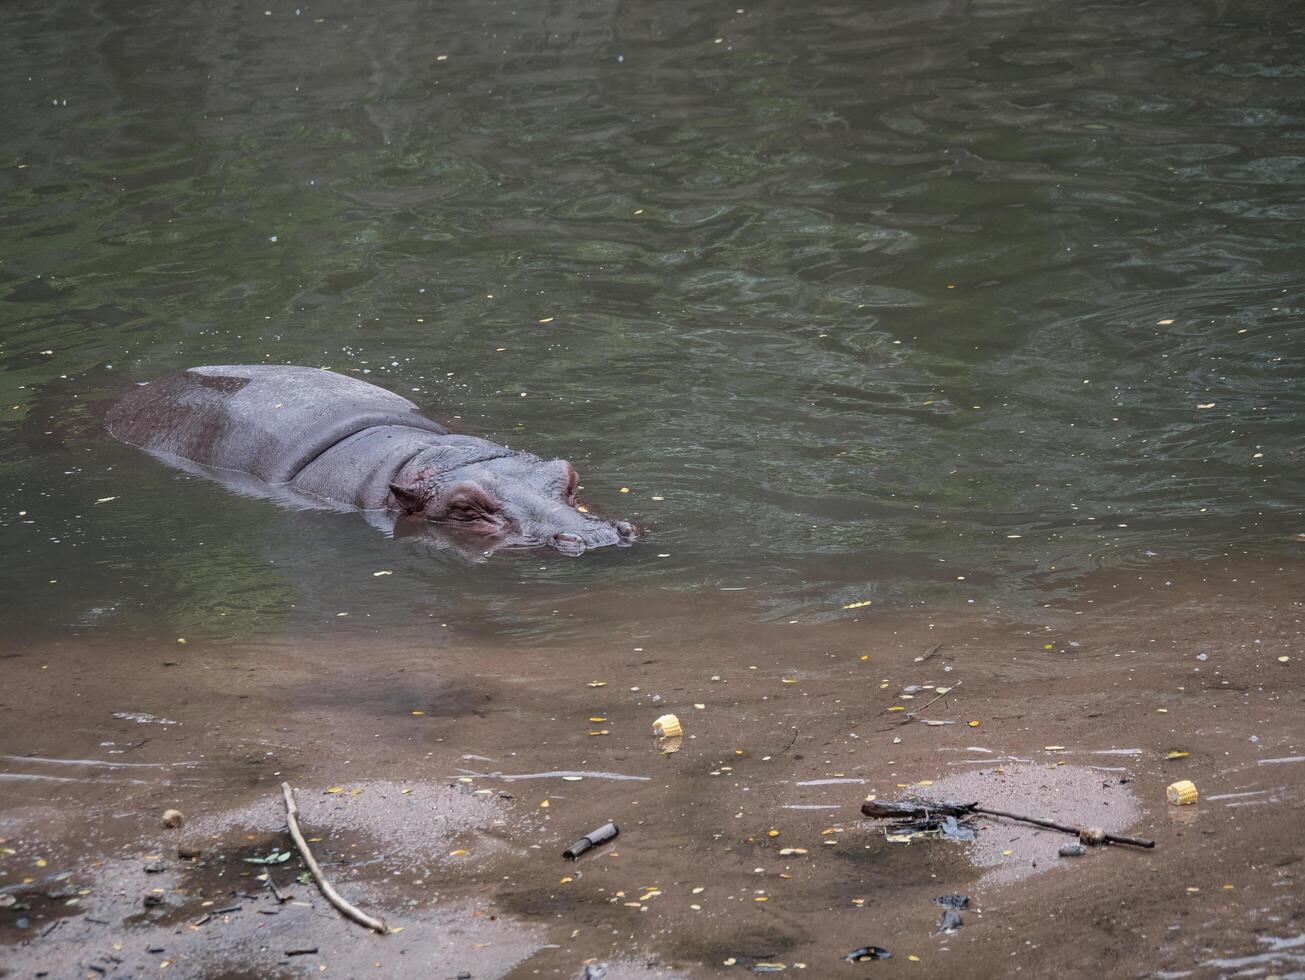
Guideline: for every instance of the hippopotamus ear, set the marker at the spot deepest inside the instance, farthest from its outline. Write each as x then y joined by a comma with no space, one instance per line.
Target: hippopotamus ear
412,495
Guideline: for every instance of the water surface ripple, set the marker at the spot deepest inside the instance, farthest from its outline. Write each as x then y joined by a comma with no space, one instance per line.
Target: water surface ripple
875,295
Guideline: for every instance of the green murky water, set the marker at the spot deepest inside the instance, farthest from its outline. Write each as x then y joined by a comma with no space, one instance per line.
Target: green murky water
874,295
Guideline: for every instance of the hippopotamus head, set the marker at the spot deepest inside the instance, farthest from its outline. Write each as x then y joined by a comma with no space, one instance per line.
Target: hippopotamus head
512,498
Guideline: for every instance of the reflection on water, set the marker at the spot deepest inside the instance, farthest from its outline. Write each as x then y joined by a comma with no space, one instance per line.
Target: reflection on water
905,301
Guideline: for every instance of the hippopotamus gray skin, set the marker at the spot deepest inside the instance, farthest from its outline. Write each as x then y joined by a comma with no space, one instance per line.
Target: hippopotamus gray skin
333,441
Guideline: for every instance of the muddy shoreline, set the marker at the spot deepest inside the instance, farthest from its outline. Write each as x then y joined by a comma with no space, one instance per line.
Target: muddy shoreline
441,821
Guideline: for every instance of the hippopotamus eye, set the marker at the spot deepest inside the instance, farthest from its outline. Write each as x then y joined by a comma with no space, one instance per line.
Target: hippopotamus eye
470,502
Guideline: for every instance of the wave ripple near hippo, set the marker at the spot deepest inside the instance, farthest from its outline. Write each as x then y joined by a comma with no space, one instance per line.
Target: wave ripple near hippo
334,441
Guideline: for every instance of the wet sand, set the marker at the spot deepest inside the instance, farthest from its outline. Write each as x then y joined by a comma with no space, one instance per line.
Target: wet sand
433,778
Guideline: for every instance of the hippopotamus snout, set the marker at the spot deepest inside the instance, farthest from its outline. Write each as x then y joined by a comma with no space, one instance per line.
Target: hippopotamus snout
600,535
515,499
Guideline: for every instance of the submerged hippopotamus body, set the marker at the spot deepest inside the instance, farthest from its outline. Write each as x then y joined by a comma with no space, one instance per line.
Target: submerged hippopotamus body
335,441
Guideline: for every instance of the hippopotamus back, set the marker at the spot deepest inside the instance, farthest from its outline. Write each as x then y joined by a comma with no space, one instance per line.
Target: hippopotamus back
267,420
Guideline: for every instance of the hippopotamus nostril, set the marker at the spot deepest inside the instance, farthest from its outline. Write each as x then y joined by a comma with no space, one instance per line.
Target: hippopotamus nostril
626,530
568,543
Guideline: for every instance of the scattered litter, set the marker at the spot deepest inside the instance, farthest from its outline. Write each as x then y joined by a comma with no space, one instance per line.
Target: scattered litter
867,953
173,818
1181,793
141,718
1072,851
667,726
810,806
1092,836
952,906
931,826
605,834
571,776
952,829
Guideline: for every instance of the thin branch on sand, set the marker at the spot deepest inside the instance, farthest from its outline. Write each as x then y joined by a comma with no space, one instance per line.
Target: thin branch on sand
332,896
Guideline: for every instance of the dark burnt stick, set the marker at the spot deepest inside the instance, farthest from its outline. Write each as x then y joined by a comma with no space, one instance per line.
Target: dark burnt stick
918,809
914,809
1063,828
281,898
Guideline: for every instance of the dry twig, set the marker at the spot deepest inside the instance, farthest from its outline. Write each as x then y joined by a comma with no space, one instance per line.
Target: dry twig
332,896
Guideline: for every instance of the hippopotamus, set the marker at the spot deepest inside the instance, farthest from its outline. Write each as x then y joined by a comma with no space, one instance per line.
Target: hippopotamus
329,440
